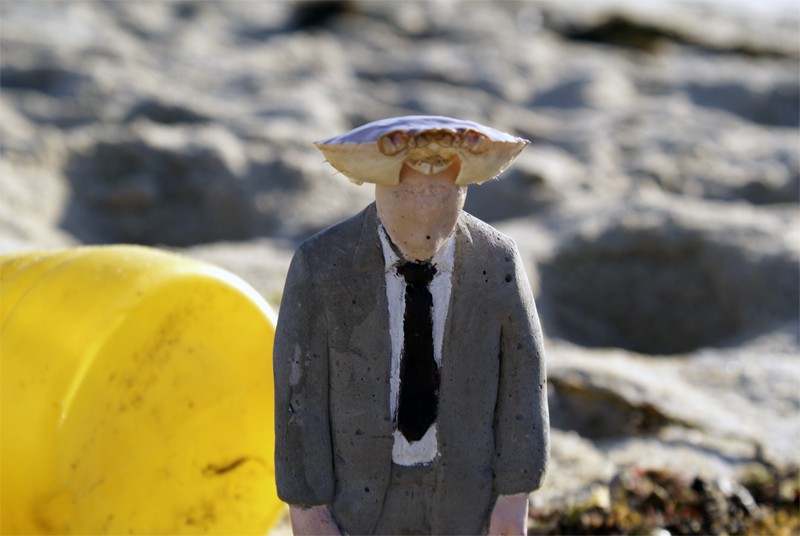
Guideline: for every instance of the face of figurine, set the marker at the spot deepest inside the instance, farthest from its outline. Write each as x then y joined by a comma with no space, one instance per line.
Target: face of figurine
421,211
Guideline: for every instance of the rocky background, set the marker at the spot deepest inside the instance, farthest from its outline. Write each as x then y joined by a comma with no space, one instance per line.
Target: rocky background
656,208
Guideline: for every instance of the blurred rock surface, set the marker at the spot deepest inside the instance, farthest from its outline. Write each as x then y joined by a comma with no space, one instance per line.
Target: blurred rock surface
656,209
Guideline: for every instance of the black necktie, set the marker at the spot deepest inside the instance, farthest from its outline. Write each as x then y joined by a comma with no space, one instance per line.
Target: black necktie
419,375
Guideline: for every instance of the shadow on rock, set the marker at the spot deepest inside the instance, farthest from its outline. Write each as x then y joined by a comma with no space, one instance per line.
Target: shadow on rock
597,412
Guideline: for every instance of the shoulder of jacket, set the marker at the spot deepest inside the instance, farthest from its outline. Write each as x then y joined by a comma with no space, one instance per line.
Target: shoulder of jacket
344,231
340,236
487,236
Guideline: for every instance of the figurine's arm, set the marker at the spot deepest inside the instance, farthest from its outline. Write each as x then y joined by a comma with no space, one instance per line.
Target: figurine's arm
521,414
314,521
509,516
303,457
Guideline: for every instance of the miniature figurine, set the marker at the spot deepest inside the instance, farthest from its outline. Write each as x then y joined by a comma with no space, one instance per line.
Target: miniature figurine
410,391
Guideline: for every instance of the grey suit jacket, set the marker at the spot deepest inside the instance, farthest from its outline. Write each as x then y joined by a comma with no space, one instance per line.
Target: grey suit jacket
332,359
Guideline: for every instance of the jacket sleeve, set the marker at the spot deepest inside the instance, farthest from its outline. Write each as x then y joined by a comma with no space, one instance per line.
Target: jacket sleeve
522,428
303,459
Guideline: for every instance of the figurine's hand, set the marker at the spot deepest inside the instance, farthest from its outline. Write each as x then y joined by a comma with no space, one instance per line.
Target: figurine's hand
316,520
509,516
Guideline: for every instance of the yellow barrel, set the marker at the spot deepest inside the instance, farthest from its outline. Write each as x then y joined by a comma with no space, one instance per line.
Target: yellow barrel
137,396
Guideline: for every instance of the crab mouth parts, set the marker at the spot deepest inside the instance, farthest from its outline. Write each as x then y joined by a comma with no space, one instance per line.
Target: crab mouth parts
432,151
430,164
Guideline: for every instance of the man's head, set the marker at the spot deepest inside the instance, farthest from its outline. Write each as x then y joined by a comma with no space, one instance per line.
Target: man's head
421,211
421,166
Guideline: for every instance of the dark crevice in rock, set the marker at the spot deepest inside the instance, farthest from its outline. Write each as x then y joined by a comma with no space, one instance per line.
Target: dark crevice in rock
623,30
597,412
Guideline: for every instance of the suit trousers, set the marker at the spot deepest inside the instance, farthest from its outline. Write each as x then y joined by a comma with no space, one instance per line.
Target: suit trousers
408,501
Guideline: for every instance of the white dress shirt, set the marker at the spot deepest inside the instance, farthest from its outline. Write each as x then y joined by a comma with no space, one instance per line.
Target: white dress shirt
425,450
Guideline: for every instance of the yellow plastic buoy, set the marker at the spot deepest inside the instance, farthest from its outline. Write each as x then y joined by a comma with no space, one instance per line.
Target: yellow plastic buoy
137,396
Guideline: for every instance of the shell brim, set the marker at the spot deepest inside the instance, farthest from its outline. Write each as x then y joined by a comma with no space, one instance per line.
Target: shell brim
363,162
375,152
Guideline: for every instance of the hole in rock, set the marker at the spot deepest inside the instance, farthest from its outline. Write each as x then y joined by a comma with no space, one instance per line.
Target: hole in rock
664,289
137,191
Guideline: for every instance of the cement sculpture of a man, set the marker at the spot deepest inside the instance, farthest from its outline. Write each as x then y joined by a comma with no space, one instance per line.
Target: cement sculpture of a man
409,369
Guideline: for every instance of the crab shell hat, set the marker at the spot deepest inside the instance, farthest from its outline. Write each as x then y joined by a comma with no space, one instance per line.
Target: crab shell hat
376,152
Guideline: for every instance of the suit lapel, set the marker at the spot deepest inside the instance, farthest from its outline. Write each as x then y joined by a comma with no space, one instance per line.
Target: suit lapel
462,269
368,256
374,308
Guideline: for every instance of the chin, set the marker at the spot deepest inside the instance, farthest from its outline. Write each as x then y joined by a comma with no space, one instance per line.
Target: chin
425,248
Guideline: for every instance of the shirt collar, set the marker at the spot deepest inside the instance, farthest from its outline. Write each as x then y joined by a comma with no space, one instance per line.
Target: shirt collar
443,259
